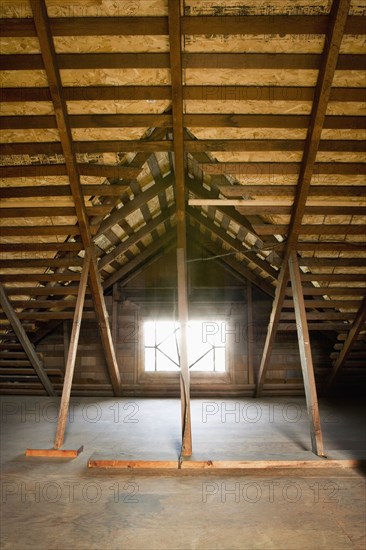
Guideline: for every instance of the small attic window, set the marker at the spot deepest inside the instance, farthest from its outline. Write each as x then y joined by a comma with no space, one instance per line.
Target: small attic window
206,346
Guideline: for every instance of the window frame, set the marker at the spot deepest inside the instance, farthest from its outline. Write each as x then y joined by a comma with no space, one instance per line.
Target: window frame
199,377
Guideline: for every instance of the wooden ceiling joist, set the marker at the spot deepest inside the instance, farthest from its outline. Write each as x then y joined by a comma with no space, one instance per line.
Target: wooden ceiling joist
189,61
104,190
228,120
289,190
139,26
203,93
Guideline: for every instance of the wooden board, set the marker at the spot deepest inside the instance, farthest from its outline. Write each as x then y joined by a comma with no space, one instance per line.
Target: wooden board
55,453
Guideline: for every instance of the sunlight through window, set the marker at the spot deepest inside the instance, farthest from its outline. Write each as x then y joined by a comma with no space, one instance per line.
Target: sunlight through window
206,346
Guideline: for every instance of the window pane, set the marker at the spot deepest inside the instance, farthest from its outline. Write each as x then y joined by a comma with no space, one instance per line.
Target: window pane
164,363
149,359
220,359
206,346
149,333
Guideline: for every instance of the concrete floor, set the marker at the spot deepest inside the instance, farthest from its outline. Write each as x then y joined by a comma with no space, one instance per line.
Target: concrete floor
62,505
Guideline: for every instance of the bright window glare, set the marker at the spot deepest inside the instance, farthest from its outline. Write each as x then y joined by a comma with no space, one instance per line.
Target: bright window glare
206,346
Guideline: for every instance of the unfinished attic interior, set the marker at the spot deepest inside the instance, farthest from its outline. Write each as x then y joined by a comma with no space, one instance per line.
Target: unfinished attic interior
183,206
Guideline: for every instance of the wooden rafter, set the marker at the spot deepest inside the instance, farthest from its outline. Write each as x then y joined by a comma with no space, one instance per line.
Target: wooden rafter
138,26
356,328
283,93
25,342
42,26
229,262
160,60
135,237
225,120
140,261
337,24
136,203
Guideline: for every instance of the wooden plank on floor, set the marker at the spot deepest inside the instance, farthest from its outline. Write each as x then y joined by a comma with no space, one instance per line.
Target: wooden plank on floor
55,453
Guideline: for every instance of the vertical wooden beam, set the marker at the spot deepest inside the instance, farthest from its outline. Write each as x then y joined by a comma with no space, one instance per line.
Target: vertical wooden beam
42,25
337,23
103,323
65,327
25,342
305,357
183,353
250,333
272,327
114,314
357,325
175,38
71,356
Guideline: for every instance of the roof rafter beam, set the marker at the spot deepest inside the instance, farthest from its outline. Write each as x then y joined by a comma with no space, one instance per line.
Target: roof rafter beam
135,237
130,268
42,26
357,326
139,26
203,93
25,342
234,243
336,28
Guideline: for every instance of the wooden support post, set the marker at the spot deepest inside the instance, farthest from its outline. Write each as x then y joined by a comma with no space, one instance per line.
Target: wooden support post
347,346
250,341
65,327
25,342
175,38
42,25
71,356
114,314
183,353
305,357
337,23
273,326
103,323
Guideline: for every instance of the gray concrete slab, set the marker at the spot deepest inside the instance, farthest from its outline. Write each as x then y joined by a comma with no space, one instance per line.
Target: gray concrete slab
58,504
